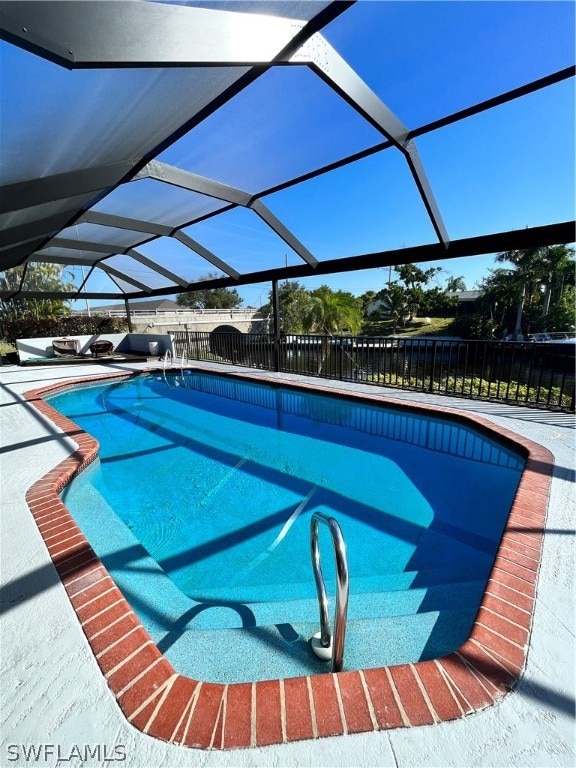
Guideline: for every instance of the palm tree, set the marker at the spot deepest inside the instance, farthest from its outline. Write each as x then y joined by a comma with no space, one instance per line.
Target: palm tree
526,273
331,312
45,277
455,284
293,299
395,305
501,292
556,262
536,268
366,299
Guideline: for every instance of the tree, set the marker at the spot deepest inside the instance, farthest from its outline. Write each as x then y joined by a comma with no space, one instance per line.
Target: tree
49,278
332,312
293,299
537,273
366,299
438,303
414,279
526,274
499,295
395,305
210,298
562,316
557,262
455,284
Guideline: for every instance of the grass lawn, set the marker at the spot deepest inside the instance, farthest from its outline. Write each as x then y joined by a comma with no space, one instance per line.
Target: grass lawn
8,352
5,348
437,326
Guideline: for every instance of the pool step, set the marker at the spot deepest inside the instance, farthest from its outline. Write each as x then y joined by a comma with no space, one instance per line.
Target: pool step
383,582
427,577
420,607
438,558
361,605
283,650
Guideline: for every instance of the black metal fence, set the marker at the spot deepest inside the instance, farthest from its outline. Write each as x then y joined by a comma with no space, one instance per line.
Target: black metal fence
519,373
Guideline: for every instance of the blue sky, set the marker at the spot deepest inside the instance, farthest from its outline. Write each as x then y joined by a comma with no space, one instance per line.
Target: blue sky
508,168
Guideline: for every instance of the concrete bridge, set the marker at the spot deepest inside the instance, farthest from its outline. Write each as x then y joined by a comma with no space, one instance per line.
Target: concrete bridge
163,321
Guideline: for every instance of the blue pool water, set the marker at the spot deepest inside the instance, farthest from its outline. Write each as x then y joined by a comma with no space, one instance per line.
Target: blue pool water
200,507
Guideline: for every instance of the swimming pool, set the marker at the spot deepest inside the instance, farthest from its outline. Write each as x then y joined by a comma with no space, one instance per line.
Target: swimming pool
212,482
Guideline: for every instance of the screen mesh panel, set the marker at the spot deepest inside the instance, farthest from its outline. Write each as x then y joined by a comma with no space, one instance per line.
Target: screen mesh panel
42,211
477,197
143,274
125,287
357,209
68,256
71,140
35,274
88,118
99,282
288,9
155,201
287,123
94,233
429,59
179,259
241,239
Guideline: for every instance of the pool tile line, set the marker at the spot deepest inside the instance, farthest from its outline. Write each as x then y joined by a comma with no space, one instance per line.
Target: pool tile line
174,708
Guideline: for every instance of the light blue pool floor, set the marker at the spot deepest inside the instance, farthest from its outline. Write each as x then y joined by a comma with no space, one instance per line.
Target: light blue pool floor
424,612
201,514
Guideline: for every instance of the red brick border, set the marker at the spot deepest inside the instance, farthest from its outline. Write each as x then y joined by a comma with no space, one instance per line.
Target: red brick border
172,707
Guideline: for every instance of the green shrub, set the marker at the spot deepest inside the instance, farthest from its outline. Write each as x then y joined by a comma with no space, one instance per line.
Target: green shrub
73,325
473,327
474,386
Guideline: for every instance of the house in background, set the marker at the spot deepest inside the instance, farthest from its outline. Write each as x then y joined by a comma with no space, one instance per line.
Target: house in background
152,305
466,301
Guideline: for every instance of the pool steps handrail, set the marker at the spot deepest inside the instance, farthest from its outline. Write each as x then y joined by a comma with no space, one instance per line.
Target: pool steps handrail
171,358
333,647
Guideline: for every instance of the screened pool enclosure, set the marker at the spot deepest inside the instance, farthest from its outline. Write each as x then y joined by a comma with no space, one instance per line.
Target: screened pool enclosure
147,144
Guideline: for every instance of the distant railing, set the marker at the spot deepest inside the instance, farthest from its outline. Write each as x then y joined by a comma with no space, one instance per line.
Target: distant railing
533,374
228,313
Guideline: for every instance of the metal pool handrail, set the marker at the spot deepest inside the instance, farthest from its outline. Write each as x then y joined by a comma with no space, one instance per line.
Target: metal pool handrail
342,588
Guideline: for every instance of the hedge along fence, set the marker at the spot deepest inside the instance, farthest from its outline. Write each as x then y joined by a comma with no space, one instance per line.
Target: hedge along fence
540,375
73,325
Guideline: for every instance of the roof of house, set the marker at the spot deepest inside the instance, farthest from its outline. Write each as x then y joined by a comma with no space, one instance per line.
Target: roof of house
151,305
466,295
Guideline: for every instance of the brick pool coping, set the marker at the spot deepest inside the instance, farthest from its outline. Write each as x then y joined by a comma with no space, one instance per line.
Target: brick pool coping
172,707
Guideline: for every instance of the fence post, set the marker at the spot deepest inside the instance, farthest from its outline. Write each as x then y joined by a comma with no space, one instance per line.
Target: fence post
276,323
432,366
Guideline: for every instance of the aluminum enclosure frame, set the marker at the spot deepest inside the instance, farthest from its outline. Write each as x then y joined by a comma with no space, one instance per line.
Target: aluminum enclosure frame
124,34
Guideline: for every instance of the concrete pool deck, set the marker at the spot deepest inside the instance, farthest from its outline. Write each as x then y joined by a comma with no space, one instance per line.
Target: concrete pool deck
53,694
